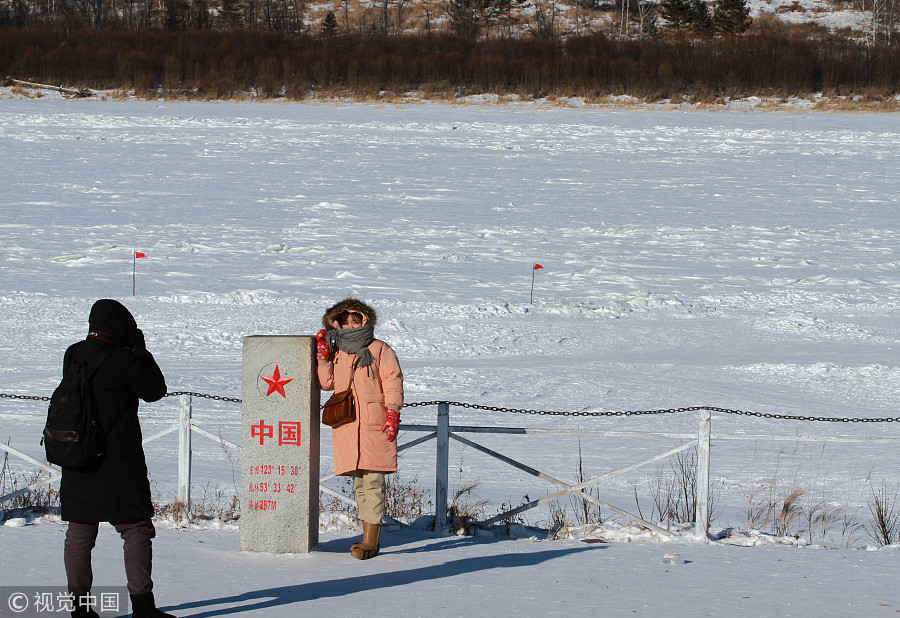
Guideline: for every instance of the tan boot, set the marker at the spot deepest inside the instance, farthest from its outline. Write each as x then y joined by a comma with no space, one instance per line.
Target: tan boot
359,542
362,540
369,546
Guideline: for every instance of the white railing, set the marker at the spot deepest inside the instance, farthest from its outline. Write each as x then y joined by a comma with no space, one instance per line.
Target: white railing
185,425
702,440
442,432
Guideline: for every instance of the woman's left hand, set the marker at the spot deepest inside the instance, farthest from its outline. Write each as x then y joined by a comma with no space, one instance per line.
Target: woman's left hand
391,425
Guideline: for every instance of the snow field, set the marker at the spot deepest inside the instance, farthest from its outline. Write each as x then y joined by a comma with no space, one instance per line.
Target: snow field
743,260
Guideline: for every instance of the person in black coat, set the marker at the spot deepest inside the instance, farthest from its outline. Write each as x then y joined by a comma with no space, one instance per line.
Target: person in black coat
118,490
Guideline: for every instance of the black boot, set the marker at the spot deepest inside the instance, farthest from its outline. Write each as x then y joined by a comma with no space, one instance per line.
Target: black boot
83,610
143,606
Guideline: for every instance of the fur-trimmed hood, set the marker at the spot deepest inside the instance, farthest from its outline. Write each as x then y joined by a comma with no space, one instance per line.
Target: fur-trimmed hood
349,304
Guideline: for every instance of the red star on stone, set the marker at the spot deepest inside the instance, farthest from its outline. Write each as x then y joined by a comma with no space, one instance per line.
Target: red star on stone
276,382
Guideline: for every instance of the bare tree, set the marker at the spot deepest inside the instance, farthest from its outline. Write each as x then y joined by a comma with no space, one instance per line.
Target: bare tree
426,10
275,15
505,10
883,20
345,5
401,8
470,17
545,20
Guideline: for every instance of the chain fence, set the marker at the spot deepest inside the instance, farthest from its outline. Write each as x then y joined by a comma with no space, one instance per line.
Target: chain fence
583,413
32,397
205,396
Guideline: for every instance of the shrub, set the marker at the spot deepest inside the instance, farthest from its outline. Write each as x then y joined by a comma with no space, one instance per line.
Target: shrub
884,526
770,59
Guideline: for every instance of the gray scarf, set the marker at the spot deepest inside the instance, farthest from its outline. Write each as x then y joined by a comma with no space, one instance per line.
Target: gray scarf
353,341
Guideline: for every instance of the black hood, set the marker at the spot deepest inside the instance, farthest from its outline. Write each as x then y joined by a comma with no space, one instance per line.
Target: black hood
112,318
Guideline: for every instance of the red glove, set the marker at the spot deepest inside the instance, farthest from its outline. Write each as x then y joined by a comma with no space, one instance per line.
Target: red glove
391,425
322,350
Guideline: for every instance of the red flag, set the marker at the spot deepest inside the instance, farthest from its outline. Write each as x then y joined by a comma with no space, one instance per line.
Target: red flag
538,267
138,254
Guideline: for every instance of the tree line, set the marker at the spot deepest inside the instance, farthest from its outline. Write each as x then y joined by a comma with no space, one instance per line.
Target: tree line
542,19
214,64
545,19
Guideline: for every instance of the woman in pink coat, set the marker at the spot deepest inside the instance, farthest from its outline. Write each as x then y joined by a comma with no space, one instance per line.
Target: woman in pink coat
364,449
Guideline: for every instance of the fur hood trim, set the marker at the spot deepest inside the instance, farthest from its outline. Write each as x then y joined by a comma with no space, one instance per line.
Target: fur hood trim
349,304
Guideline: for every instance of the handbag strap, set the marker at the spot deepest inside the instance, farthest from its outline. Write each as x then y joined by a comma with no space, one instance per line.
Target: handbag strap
352,372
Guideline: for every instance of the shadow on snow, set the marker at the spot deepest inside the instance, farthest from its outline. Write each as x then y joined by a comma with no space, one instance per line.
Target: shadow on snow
287,595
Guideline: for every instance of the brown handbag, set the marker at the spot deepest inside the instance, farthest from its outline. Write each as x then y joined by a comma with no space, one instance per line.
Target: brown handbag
340,408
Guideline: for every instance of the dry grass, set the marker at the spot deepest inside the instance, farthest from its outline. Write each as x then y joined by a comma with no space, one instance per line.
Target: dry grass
587,514
214,504
41,500
884,526
794,7
788,513
785,505
329,504
29,93
707,102
863,105
558,525
404,499
673,492
466,509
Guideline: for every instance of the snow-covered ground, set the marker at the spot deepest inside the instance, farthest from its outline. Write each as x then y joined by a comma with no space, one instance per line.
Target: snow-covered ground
829,13
201,574
737,259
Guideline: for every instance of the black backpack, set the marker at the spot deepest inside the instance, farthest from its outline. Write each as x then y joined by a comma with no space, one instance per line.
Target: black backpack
73,436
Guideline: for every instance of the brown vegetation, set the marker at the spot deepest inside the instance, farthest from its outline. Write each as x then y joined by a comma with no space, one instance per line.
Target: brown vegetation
772,60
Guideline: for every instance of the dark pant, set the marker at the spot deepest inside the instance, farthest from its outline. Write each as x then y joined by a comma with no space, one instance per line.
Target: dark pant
80,539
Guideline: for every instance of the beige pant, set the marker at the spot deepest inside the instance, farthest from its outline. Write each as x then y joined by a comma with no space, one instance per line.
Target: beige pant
369,488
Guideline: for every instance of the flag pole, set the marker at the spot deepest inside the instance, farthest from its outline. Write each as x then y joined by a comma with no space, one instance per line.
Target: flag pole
534,266
133,270
532,282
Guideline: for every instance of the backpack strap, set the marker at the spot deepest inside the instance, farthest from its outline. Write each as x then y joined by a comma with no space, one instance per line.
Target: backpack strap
87,393
91,369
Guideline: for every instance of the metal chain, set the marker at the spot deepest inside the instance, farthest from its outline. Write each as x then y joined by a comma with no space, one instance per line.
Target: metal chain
205,396
789,417
550,412
31,397
475,406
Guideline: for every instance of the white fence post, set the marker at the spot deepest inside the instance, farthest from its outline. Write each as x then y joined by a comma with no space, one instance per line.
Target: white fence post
702,509
184,453
442,463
